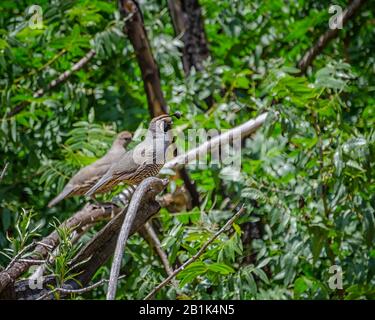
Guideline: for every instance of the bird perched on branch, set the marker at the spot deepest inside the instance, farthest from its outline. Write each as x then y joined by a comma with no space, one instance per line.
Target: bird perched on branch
85,178
145,160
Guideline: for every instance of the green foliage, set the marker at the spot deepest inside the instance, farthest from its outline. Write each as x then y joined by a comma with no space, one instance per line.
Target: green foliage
307,177
60,263
25,231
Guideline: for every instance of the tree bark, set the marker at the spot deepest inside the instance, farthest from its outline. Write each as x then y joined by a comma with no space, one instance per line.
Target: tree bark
188,22
328,36
136,32
95,253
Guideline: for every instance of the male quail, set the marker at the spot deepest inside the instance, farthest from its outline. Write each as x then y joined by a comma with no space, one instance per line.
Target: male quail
144,161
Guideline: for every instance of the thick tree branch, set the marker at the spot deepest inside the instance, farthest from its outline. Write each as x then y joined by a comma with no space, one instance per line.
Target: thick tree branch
134,28
195,257
188,23
242,131
328,36
133,208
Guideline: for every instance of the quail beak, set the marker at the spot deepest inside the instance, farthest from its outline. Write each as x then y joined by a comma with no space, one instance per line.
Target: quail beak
177,114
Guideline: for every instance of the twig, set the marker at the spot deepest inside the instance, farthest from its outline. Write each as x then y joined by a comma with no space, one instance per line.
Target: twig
4,171
196,256
157,245
31,261
19,254
133,208
31,73
76,235
76,291
54,83
329,35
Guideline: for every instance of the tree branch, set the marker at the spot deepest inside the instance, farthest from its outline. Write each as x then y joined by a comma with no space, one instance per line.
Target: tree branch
4,171
76,291
196,256
242,130
54,83
133,208
155,243
329,35
134,28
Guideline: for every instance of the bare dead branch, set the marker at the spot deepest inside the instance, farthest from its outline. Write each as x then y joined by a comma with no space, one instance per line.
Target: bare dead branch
328,36
133,208
242,131
196,256
19,255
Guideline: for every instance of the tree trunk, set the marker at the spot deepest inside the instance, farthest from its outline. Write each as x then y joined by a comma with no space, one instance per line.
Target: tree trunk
188,22
135,30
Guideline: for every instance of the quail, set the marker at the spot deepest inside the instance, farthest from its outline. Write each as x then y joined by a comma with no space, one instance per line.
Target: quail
85,178
144,161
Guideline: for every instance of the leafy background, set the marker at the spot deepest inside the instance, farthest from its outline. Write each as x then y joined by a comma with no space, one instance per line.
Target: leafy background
307,178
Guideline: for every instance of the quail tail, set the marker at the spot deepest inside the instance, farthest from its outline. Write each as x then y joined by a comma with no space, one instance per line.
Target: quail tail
99,184
62,195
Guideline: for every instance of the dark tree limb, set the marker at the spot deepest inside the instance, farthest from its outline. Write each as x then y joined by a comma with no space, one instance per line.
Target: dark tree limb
328,36
60,79
190,186
136,32
188,23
